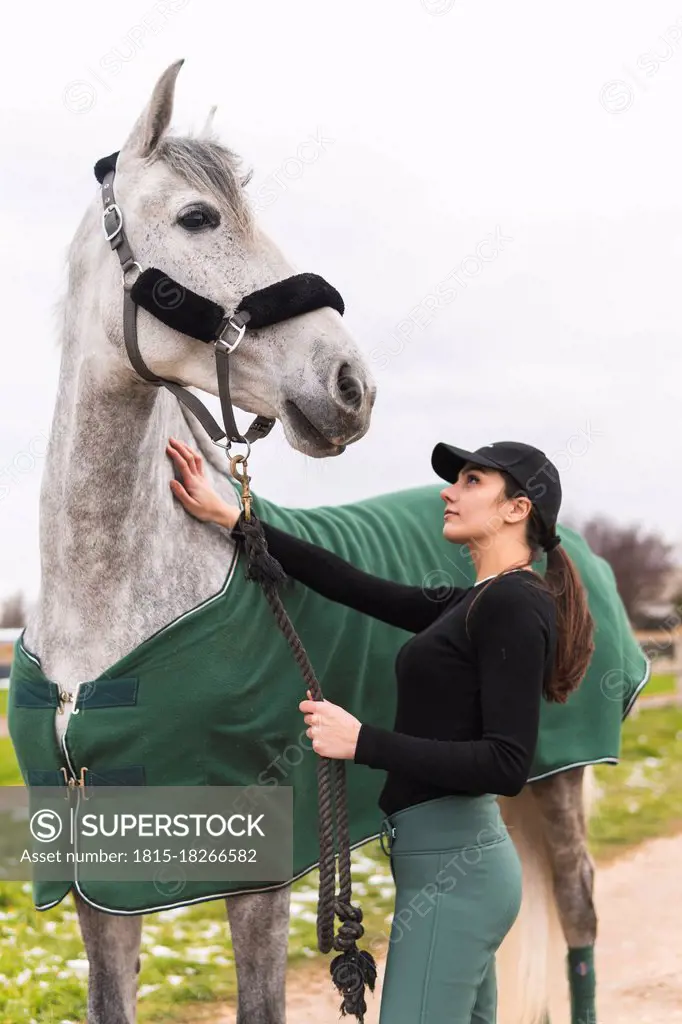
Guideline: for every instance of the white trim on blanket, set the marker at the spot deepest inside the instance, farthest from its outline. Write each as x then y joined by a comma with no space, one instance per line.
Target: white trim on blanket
567,767
640,687
198,899
601,760
169,625
281,885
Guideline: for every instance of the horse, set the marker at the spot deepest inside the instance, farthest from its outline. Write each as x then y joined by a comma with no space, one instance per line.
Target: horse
120,559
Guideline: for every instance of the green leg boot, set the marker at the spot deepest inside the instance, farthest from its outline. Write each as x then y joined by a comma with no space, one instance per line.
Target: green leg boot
582,981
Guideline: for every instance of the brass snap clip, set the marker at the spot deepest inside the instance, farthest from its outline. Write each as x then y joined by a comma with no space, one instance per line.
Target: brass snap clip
64,698
243,478
76,783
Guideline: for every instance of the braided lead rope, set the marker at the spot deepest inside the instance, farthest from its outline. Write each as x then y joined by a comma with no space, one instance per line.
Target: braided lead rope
352,969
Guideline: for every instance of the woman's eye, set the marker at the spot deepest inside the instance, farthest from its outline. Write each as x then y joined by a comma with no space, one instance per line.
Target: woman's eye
196,219
471,476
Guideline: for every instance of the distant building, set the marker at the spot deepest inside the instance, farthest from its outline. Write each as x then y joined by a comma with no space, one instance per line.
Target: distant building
663,610
7,639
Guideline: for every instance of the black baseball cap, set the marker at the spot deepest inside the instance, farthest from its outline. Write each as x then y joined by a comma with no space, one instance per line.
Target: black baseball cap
530,468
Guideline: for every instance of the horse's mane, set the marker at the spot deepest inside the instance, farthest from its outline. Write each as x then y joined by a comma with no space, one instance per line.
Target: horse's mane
209,166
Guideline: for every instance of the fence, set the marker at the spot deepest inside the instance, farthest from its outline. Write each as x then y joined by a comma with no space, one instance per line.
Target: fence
664,648
7,638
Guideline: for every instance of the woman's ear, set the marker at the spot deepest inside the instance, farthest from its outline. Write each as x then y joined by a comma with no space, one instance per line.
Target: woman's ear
521,508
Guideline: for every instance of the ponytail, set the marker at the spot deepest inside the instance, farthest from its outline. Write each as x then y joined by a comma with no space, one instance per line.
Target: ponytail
575,626
574,622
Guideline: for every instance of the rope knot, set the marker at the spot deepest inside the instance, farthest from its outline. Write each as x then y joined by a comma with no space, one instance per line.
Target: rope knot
351,929
261,567
347,911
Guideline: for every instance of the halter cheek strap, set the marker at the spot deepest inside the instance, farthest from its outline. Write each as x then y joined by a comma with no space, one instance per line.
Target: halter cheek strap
199,317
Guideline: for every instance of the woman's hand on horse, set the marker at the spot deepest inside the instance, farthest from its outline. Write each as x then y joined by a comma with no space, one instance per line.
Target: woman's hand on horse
195,493
333,730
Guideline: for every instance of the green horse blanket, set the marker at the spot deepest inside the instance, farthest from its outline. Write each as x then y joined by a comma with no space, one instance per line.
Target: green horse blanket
212,698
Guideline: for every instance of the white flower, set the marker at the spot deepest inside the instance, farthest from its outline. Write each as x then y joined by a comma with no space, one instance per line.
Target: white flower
201,954
145,990
163,951
78,965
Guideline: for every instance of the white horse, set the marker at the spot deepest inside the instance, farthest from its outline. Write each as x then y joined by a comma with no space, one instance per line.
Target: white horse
120,558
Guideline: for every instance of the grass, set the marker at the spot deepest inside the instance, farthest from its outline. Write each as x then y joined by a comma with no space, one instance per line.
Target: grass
662,683
9,769
641,796
187,958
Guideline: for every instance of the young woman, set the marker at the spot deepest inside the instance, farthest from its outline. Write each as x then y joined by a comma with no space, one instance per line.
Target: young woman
470,683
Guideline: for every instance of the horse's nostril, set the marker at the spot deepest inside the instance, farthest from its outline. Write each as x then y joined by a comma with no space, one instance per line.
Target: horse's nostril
350,387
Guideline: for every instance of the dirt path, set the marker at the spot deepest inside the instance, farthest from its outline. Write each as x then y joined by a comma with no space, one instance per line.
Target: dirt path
639,954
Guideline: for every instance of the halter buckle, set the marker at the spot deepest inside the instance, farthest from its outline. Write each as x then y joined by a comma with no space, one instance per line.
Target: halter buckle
110,233
127,282
225,346
226,445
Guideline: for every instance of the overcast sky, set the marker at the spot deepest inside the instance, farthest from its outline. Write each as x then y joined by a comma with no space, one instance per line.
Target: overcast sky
438,124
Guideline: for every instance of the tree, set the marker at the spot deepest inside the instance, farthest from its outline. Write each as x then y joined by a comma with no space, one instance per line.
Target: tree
641,562
13,612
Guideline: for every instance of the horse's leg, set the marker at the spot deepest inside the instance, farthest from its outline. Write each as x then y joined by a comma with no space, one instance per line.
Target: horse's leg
560,800
259,925
112,943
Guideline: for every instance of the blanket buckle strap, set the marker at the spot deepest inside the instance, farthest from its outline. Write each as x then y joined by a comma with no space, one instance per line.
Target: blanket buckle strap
74,783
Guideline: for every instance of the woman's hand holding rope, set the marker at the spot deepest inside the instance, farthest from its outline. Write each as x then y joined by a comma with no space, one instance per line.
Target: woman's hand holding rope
333,730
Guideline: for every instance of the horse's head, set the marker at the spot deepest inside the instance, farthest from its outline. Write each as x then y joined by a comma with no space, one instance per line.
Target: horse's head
185,211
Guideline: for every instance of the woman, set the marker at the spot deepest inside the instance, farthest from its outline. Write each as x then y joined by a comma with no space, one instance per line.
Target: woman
470,683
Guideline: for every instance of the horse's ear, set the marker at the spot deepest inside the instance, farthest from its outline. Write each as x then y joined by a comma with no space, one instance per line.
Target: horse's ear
207,131
153,122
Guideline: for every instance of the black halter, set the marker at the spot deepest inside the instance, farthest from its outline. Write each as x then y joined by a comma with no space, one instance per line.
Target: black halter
201,318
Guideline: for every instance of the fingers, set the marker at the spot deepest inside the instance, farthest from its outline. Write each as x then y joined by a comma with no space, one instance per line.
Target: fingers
185,456
181,494
179,460
310,706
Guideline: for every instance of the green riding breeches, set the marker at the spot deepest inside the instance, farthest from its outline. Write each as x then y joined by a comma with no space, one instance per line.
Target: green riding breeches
458,892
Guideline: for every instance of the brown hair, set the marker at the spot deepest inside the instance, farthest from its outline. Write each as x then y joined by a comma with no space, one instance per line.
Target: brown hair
575,626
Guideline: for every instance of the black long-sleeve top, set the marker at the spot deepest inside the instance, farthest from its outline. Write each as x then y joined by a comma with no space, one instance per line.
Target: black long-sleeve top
469,694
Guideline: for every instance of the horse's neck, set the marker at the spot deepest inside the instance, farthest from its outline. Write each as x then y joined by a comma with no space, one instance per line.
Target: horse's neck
120,557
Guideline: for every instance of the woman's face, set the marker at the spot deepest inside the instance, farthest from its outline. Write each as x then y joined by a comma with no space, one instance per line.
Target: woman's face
474,505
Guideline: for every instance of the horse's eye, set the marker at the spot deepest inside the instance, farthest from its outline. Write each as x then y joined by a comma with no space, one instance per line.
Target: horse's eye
196,218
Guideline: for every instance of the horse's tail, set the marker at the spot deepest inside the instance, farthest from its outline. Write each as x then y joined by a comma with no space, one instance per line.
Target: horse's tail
530,962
